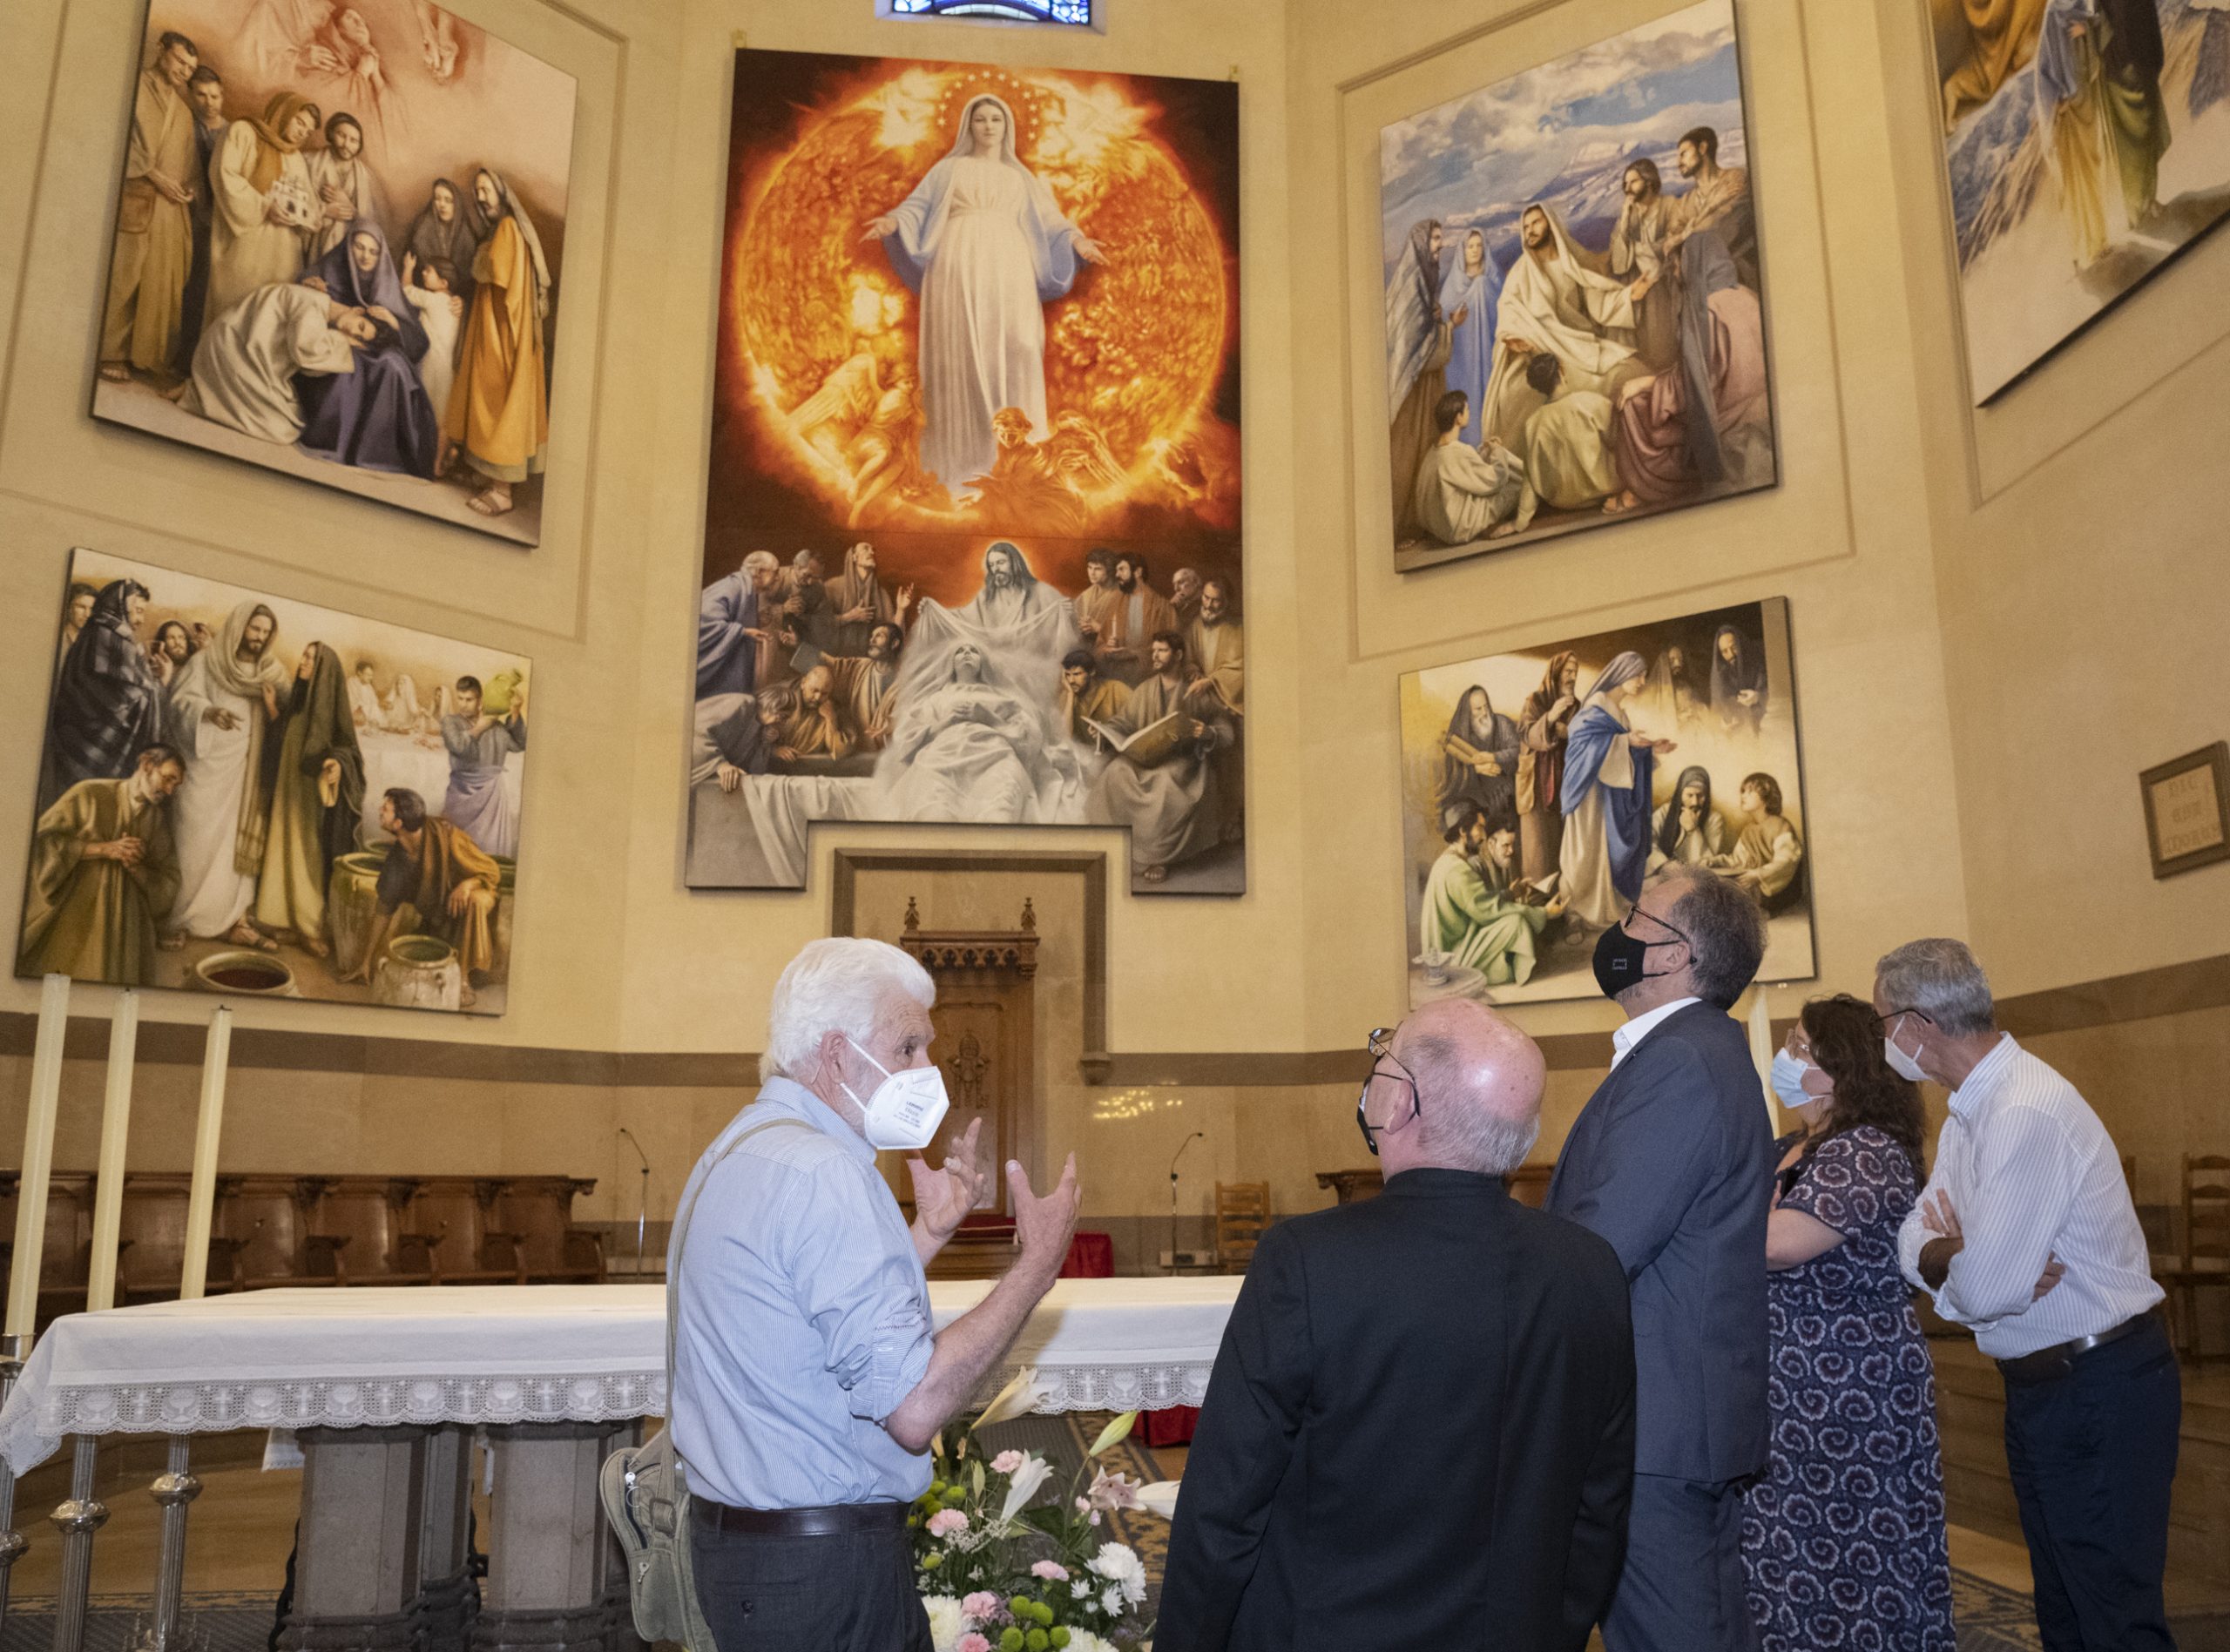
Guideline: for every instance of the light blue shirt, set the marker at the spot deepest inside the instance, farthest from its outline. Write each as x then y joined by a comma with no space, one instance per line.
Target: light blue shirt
804,1317
2032,1175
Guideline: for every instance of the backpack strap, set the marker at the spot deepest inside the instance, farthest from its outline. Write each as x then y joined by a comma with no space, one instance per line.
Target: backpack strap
681,1237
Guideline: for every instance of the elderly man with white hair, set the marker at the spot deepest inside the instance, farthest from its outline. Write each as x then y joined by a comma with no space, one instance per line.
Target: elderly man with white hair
1419,1429
2026,1233
807,1384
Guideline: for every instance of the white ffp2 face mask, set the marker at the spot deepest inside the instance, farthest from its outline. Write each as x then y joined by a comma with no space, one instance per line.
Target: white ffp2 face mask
1905,1067
903,1114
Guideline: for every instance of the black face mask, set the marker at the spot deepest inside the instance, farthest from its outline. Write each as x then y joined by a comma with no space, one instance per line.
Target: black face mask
1619,958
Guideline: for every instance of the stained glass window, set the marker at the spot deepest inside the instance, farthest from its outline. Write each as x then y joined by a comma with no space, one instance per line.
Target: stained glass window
1077,12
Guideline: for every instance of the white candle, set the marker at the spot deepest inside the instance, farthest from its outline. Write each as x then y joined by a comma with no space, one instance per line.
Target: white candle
201,1197
1761,1050
116,1126
39,1155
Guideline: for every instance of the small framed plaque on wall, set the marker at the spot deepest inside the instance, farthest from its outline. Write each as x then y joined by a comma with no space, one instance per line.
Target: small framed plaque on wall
2187,810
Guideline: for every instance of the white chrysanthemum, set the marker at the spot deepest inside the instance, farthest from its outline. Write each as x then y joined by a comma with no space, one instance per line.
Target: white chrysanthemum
1123,1569
1085,1640
946,1624
1110,1601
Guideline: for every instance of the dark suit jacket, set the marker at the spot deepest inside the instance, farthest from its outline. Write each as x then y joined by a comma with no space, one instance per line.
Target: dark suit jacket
1672,1160
1419,1433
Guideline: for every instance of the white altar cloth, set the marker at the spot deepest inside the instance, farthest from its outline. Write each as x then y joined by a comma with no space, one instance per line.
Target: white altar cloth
523,1354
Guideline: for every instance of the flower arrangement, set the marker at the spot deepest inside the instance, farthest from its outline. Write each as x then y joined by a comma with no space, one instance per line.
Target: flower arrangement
1003,1568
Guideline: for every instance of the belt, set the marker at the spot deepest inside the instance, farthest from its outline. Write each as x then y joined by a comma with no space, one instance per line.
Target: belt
837,1519
2048,1364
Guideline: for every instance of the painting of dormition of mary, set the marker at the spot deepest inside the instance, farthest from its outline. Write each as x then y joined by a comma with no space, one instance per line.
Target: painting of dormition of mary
2086,144
972,525
1575,311
1544,789
339,251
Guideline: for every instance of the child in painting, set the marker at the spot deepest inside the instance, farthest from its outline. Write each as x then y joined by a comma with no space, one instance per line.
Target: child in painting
1768,858
432,292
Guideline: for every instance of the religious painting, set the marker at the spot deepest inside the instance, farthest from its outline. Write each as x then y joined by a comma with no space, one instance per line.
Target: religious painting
244,794
972,517
338,251
1543,790
1575,317
2087,142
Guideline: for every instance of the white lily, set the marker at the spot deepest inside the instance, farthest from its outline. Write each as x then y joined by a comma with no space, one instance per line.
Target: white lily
1118,1429
1022,1395
1024,1486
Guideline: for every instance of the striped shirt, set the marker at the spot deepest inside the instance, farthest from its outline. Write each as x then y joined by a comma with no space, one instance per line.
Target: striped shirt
2032,1175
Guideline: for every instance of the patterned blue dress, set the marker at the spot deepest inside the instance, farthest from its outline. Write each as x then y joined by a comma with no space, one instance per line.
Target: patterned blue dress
1842,1540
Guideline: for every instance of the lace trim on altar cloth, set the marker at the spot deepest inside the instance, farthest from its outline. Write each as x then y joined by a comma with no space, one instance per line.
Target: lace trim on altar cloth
34,1433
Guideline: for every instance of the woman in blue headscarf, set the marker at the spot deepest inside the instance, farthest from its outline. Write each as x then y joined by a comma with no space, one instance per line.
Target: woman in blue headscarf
376,415
108,707
1608,797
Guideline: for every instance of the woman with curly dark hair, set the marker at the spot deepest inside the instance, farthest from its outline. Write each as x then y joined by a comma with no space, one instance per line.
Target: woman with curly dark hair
1847,1528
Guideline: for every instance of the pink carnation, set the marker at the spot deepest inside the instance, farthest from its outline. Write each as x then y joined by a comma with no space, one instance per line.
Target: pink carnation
1051,1571
946,1521
1006,1462
971,1642
980,1606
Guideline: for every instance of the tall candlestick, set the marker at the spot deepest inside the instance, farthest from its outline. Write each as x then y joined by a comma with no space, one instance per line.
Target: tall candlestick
39,1156
116,1126
201,1197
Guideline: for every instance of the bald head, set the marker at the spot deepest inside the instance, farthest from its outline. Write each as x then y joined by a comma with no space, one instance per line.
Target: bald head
1479,1082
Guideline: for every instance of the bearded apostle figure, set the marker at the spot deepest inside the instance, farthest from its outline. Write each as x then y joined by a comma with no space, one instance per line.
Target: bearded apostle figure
220,711
984,244
153,253
498,414
103,868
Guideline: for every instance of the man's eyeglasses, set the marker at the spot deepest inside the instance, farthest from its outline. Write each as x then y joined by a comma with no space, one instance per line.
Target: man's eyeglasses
1883,1023
1379,1044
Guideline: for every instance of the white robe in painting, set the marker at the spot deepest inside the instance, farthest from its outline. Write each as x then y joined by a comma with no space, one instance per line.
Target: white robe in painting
437,368
1564,306
245,366
984,244
219,816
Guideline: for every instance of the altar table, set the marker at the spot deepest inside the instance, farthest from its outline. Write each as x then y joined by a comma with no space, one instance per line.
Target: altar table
384,1388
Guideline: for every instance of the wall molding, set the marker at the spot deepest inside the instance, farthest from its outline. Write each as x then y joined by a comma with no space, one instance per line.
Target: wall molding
2172,990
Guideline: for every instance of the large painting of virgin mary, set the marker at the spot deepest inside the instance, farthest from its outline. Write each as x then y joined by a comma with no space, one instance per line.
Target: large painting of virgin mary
972,523
1575,307
339,251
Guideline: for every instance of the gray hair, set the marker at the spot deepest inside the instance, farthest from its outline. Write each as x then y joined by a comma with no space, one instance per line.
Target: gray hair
1457,1129
838,984
1941,979
1726,929
761,559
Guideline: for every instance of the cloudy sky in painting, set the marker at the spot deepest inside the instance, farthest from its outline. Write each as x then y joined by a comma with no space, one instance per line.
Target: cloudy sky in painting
1482,156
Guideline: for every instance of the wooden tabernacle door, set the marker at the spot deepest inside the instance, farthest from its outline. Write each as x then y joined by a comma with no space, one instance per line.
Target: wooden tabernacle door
986,1045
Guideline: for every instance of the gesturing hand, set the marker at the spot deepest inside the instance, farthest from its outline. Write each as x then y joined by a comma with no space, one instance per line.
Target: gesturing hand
1044,1226
942,1197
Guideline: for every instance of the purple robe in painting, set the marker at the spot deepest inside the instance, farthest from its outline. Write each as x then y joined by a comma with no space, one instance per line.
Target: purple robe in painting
1626,810
727,658
377,417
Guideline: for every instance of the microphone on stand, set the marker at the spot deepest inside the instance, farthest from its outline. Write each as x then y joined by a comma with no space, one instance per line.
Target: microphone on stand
643,1198
1181,1146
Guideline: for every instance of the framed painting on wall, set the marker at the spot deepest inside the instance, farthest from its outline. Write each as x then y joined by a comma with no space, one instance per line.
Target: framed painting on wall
972,523
338,251
1543,790
2087,144
1575,315
245,794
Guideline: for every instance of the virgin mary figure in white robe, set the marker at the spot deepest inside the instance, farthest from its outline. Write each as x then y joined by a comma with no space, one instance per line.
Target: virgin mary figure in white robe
983,242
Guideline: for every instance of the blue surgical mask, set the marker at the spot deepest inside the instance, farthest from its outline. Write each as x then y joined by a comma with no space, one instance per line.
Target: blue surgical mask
1788,1079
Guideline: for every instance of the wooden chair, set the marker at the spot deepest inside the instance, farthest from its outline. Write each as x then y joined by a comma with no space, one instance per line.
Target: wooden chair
450,1215
357,1221
151,1233
1242,1217
268,1219
539,1209
2205,1263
